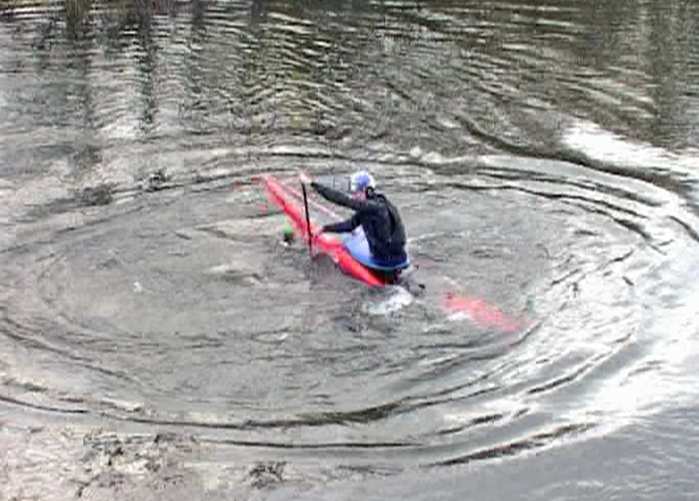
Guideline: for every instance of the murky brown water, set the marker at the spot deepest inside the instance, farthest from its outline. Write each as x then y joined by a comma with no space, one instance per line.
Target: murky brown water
157,340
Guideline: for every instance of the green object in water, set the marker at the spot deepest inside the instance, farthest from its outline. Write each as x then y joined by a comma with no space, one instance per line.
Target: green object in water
288,233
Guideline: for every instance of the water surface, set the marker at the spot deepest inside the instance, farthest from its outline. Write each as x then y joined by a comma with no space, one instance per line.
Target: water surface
156,337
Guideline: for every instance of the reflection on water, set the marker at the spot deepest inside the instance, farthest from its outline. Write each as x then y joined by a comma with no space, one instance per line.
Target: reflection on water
137,70
152,327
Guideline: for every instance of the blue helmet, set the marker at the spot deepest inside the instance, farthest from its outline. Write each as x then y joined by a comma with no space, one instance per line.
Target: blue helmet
361,180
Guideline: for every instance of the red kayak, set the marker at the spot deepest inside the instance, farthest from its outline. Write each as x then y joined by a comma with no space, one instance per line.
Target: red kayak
290,201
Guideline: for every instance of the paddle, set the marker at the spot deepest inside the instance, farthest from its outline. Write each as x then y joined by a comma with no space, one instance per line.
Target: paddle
308,220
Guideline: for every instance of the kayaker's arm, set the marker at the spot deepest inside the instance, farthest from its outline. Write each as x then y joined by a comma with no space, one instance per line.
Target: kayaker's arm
342,226
337,197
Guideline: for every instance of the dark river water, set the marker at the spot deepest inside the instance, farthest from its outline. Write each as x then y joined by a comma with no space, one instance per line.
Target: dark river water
158,342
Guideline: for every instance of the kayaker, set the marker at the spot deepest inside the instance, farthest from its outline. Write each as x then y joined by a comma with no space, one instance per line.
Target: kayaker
378,217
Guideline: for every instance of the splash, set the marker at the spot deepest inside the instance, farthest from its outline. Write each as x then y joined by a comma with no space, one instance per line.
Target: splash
396,300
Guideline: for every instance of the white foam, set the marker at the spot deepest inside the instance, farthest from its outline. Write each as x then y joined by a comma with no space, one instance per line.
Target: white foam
398,298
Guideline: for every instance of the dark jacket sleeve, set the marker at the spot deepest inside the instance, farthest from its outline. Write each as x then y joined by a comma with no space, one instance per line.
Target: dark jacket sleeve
343,226
337,197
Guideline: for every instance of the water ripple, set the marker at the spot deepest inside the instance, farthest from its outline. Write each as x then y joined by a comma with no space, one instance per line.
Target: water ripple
540,153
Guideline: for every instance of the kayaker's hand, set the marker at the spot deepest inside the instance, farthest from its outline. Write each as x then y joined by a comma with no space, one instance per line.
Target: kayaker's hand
304,178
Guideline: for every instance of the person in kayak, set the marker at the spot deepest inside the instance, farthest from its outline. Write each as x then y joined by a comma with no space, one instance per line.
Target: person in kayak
378,217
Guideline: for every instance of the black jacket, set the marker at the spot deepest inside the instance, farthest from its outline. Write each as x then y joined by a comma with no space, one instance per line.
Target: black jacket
378,217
